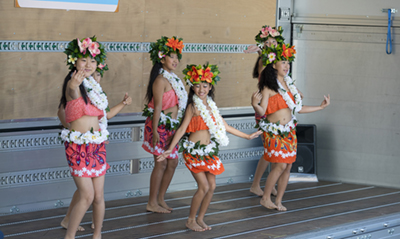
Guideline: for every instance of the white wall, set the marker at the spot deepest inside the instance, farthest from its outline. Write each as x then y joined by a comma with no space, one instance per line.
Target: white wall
359,134
344,7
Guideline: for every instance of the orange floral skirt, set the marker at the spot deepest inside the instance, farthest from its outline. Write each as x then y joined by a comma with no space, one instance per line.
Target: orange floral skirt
279,149
211,164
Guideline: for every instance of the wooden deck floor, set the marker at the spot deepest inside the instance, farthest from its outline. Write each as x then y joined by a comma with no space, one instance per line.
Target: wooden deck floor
234,213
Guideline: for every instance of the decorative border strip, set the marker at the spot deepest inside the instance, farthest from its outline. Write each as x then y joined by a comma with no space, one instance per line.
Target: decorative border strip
243,125
59,46
50,175
147,164
51,140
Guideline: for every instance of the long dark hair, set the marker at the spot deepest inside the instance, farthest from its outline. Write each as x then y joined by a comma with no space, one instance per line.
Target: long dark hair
63,100
255,70
190,99
268,79
155,71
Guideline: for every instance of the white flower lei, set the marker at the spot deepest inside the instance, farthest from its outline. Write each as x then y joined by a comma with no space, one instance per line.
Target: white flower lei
216,129
293,106
95,93
178,87
99,99
201,150
276,128
180,91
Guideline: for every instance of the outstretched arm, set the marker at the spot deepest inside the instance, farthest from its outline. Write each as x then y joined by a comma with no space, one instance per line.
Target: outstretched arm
178,133
116,109
310,109
252,49
239,133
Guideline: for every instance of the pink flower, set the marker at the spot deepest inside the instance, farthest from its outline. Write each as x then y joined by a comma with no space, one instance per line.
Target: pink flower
274,33
94,49
81,48
265,32
101,66
86,42
83,45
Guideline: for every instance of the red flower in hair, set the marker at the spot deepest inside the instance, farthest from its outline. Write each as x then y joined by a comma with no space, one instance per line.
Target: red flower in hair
195,74
175,44
207,76
288,52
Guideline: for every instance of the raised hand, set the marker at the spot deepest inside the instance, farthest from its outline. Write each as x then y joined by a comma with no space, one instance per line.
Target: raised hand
326,102
77,77
127,99
256,98
252,49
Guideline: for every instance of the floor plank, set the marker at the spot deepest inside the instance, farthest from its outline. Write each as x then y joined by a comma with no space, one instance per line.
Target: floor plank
234,212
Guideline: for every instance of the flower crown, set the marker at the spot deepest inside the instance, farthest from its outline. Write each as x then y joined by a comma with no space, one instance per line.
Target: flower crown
197,74
282,52
87,47
267,31
164,47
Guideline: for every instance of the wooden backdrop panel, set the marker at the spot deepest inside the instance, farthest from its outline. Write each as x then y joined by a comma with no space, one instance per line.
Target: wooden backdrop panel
62,25
208,21
236,85
125,75
31,82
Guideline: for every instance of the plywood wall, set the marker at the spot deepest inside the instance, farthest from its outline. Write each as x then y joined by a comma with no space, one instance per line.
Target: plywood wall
30,82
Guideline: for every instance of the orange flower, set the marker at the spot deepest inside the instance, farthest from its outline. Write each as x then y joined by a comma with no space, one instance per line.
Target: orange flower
288,52
195,74
207,76
175,44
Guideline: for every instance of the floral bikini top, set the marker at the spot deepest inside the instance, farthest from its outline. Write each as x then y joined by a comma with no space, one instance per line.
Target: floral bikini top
77,108
170,99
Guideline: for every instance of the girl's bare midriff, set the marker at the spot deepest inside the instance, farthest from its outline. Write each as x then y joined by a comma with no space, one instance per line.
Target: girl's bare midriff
85,123
202,135
173,110
282,115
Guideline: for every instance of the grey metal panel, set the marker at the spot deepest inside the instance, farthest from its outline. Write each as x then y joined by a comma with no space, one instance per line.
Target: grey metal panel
377,228
284,12
360,8
38,168
358,134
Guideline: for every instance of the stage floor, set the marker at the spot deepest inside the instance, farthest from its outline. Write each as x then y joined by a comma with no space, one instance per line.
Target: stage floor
234,213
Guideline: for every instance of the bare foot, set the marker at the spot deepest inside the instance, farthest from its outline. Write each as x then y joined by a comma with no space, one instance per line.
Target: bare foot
64,225
192,225
156,209
274,192
164,205
280,207
268,204
203,225
257,191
